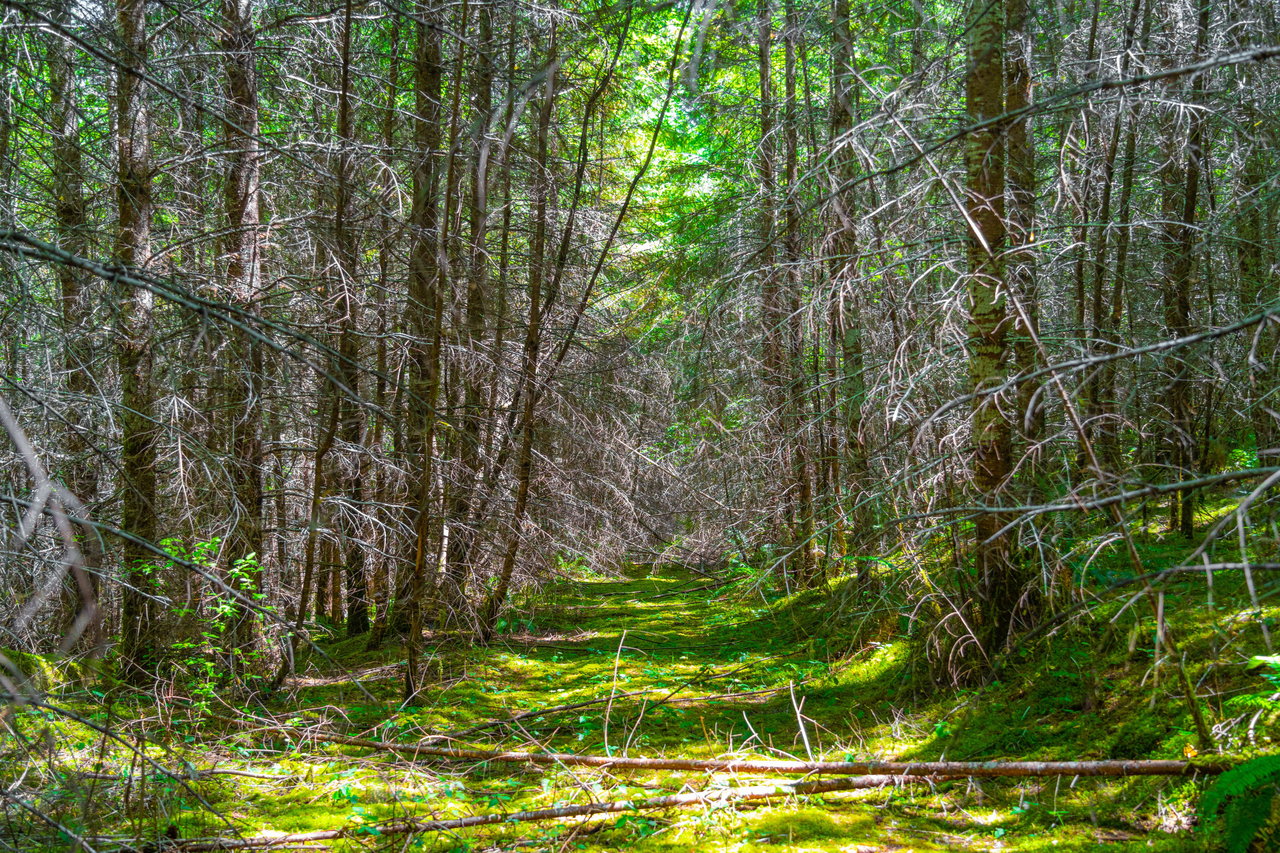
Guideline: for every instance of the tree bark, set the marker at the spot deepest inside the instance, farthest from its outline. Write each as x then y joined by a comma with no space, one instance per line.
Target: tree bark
1021,207
462,526
244,370
424,320
846,319
1180,198
134,355
543,188
74,290
796,419
347,308
1000,582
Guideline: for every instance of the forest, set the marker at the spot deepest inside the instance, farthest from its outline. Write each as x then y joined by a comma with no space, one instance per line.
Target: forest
663,425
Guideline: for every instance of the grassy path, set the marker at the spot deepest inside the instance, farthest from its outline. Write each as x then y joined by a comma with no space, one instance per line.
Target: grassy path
669,669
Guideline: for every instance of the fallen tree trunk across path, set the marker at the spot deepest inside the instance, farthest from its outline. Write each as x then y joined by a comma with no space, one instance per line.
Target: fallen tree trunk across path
984,769
409,827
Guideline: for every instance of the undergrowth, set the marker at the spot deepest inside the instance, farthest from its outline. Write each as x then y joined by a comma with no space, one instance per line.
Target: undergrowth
683,667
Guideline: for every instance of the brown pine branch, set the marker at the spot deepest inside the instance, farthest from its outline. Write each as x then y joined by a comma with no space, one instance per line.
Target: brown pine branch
410,827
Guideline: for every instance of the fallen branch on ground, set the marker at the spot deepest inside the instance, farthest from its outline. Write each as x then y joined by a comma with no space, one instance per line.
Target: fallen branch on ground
983,769
409,827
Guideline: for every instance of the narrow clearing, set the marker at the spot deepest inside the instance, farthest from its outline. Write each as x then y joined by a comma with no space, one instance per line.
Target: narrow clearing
662,666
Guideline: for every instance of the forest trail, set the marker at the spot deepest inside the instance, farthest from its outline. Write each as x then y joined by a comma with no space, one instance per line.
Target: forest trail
656,666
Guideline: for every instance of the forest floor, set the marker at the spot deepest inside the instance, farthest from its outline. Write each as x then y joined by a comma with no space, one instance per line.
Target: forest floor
675,666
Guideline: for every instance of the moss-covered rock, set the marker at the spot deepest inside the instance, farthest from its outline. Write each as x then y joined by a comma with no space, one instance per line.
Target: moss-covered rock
40,672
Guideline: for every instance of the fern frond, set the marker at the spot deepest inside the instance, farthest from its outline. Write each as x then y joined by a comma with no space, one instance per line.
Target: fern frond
1243,817
1245,796
1251,702
1239,781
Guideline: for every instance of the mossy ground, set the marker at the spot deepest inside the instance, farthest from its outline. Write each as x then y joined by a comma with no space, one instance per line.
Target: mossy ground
724,671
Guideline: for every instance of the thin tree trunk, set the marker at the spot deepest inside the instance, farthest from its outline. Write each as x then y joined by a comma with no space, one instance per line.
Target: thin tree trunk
532,344
346,306
134,356
241,249
846,315
1099,391
381,576
1180,233
1021,205
1255,229
669,801
461,525
772,313
1108,405
796,420
424,321
71,224
323,444
450,251
999,578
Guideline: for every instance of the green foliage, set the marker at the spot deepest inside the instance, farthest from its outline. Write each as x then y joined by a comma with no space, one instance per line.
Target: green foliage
209,657
1240,801
1268,666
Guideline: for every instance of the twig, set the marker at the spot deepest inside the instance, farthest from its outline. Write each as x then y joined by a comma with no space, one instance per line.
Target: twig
409,827
983,769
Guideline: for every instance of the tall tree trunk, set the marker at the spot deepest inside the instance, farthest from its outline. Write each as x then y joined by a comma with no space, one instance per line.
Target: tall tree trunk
380,579
450,251
772,313
999,578
346,306
1108,404
71,227
73,236
12,328
242,253
1021,206
461,524
1099,389
796,420
1254,259
134,356
846,315
1180,234
424,321
542,191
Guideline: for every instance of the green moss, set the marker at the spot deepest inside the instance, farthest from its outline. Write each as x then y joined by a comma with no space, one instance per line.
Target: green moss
831,670
43,672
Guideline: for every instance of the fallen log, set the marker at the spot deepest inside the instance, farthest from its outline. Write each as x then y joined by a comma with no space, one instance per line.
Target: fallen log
982,769
408,827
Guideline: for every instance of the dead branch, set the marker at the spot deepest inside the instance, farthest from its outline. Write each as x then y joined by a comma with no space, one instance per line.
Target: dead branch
974,769
408,827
